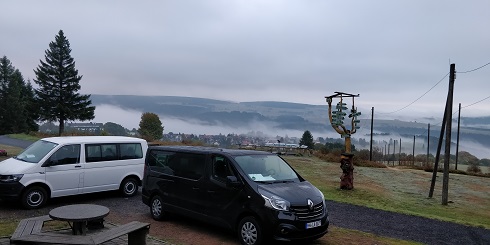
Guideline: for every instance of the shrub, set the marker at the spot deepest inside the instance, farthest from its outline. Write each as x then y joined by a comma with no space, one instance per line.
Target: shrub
474,168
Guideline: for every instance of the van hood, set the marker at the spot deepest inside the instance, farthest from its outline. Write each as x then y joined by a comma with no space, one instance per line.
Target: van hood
14,166
297,193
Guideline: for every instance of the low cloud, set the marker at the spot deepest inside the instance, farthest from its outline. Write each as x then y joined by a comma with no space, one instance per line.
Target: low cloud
130,119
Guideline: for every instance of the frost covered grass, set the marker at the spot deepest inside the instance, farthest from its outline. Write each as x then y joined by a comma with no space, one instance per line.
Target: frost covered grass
402,190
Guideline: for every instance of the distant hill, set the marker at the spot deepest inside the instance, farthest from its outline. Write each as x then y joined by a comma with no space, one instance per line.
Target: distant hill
282,115
286,116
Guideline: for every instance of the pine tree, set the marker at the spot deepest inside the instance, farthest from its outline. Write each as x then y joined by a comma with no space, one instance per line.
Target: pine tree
6,71
59,83
307,139
17,113
31,106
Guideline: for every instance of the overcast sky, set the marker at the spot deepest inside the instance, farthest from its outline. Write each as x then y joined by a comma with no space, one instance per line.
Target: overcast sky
389,52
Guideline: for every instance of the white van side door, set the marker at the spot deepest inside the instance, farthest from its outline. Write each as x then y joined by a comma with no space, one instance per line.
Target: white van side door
64,173
103,171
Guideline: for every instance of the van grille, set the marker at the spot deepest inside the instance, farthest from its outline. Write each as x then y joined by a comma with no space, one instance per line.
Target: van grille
303,213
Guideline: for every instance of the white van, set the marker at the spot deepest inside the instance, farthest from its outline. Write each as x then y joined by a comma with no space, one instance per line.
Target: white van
64,166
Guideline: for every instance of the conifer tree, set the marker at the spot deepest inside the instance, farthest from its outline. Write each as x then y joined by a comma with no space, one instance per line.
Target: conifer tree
307,139
6,71
59,83
31,107
17,113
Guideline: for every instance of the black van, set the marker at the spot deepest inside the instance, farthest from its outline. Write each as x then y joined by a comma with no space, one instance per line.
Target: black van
254,193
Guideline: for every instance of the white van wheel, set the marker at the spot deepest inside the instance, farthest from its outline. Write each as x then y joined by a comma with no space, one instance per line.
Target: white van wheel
156,208
129,187
249,231
34,197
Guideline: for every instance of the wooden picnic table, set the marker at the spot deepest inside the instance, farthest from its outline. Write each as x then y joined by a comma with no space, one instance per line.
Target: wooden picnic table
79,215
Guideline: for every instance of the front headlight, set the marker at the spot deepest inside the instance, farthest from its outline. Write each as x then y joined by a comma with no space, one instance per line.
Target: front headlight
10,178
274,202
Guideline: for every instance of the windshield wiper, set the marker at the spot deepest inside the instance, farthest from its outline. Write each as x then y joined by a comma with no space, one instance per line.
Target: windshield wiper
283,181
20,159
265,181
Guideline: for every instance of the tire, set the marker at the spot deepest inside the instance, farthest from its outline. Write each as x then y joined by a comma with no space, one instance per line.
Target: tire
129,187
34,197
250,231
156,208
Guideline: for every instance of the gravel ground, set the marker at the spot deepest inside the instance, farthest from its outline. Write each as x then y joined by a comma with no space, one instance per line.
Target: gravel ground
183,231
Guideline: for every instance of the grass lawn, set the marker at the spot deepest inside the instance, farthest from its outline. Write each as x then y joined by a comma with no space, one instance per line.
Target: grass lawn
402,190
11,151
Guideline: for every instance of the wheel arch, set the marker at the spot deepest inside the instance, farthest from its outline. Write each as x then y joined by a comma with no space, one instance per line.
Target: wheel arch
243,215
38,184
134,176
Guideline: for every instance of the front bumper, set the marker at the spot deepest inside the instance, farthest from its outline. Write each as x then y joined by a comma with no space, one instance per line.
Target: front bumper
11,191
286,226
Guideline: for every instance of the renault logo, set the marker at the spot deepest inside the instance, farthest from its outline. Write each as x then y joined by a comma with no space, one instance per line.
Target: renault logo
310,204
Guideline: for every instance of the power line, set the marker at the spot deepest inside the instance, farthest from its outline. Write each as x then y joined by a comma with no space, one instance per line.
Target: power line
477,101
435,86
417,98
440,123
475,68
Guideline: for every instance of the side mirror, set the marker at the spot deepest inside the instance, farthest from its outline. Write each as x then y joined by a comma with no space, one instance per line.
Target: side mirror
232,181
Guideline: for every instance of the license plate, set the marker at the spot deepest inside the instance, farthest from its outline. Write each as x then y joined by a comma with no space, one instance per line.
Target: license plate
313,224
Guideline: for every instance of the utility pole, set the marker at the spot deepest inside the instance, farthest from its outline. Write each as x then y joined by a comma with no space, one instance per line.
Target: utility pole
447,155
394,152
384,156
388,153
447,116
400,152
428,143
413,151
457,138
371,141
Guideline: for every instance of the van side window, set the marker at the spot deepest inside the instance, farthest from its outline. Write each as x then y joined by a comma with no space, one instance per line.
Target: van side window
130,151
185,165
190,166
158,161
93,153
68,154
221,169
110,152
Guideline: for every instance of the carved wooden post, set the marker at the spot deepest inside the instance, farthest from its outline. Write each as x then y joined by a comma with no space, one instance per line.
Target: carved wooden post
336,119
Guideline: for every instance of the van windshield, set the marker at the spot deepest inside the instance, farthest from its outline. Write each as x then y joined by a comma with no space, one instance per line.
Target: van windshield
37,151
266,168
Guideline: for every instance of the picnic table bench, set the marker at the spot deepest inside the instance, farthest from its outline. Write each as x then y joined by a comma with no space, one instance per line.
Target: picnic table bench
29,231
29,226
